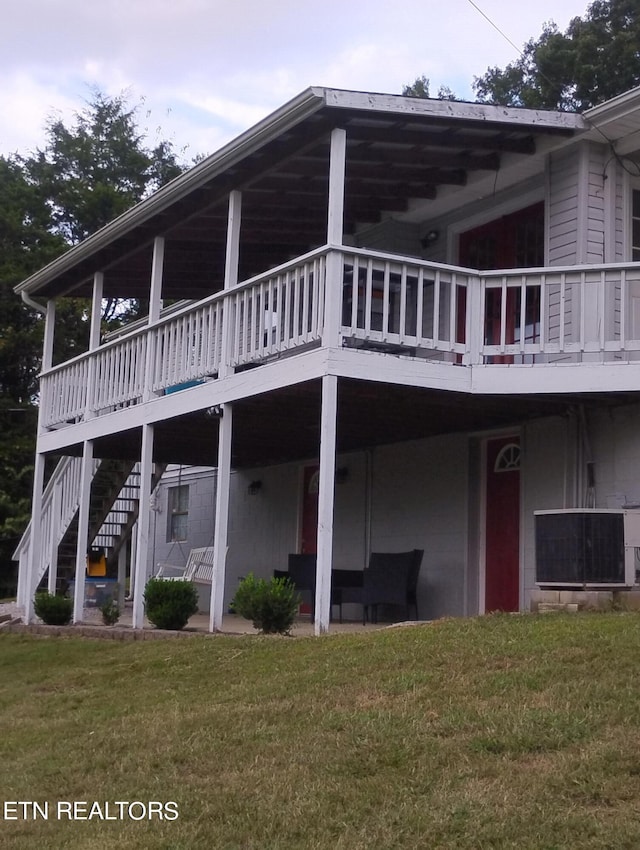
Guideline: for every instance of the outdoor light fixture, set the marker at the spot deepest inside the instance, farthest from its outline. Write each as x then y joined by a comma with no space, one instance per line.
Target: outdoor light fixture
429,238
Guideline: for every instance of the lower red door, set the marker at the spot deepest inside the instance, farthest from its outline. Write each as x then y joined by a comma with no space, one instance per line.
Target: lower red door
502,546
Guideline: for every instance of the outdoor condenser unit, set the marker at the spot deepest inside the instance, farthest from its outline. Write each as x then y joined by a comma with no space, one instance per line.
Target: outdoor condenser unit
587,548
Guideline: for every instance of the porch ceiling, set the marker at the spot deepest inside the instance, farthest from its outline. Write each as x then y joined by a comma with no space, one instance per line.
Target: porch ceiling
402,161
284,425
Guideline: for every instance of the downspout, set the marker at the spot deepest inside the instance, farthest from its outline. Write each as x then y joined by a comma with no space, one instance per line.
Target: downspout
33,304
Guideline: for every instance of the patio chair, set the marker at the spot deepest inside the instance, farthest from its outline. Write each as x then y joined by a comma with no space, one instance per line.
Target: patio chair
302,572
391,579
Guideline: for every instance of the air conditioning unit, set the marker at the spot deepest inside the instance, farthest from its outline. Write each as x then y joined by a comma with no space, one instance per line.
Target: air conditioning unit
587,548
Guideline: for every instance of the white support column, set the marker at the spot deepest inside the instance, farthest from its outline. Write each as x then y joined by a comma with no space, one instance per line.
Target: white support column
96,311
94,339
142,537
86,474
335,228
26,587
157,268
474,321
337,171
49,328
155,305
326,493
222,519
232,258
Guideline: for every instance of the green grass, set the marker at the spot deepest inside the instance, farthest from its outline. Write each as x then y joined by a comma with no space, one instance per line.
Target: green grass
497,732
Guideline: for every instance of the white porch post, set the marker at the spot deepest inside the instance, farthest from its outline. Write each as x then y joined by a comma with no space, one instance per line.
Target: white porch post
155,305
335,226
26,588
49,327
225,426
94,339
326,492
232,256
86,474
142,537
216,609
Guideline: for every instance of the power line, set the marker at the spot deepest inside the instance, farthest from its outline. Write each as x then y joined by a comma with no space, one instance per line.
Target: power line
495,26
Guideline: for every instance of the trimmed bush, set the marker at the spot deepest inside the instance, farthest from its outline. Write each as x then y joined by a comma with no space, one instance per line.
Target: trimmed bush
270,605
110,612
169,604
53,610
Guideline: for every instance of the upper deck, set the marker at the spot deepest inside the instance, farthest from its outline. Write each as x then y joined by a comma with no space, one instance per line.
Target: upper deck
433,324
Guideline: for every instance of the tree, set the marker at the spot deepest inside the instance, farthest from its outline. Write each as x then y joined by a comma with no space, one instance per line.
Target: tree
97,169
597,58
86,175
420,88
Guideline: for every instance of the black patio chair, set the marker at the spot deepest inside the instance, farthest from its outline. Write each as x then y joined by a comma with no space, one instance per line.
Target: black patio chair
302,572
391,579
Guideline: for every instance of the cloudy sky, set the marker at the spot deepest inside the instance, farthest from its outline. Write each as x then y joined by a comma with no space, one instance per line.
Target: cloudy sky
208,69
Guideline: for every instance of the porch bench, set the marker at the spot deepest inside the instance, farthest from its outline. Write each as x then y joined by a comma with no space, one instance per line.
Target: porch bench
199,567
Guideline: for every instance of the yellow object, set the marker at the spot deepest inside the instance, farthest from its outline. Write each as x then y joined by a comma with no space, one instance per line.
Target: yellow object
96,563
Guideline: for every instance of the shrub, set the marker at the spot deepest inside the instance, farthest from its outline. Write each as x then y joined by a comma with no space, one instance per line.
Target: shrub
169,604
53,610
110,612
270,605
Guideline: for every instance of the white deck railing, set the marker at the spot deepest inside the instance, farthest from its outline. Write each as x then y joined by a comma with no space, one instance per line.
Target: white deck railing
391,304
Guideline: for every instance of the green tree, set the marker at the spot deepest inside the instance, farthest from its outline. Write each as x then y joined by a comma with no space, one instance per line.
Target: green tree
595,59
99,167
420,88
87,174
26,243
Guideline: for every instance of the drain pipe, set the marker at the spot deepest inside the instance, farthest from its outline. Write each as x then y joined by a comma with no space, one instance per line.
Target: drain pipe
35,305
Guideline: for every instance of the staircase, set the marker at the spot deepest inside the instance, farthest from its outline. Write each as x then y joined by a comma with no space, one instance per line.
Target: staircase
113,511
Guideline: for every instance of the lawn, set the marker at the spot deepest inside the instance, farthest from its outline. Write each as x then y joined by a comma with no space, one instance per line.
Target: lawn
496,732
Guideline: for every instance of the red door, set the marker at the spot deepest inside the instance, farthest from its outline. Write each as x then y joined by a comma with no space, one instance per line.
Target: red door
309,524
515,241
502,544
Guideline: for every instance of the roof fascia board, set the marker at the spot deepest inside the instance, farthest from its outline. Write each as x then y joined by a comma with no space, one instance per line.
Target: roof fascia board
453,109
288,115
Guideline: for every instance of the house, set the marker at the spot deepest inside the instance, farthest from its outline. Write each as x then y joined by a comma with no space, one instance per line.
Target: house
388,323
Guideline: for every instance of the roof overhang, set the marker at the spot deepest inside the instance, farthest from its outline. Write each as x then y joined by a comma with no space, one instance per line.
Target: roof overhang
405,156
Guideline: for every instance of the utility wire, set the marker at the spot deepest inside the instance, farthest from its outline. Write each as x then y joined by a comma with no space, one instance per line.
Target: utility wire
495,26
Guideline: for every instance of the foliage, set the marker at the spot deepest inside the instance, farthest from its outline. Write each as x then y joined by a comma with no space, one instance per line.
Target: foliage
86,174
53,610
110,612
270,605
98,168
169,604
595,59
420,88
492,732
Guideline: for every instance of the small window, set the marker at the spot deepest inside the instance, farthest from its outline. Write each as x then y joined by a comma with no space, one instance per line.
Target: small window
508,459
178,513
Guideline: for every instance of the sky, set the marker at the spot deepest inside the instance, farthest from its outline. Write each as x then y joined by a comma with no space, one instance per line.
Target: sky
203,71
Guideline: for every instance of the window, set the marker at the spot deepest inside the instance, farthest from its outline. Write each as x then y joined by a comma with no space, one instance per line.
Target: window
178,513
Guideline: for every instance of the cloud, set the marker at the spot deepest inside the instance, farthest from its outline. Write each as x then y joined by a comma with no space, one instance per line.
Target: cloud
208,69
